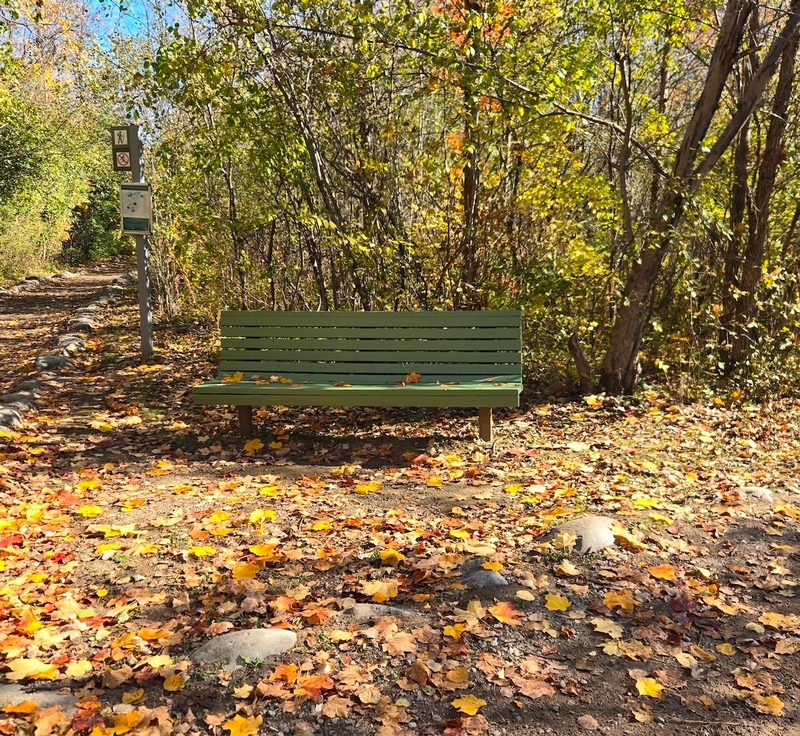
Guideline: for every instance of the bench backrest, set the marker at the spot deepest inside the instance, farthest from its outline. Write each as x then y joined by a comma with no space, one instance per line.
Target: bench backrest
372,345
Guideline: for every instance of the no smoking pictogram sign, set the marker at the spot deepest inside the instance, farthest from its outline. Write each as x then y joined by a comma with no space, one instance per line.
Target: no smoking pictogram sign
123,159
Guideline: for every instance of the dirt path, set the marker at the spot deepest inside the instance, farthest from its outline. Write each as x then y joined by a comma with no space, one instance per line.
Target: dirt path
30,321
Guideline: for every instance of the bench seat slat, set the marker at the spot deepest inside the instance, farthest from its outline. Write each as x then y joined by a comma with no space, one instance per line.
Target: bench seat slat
314,395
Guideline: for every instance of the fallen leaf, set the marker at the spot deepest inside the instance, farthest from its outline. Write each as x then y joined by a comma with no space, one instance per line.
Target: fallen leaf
240,726
649,687
469,704
555,602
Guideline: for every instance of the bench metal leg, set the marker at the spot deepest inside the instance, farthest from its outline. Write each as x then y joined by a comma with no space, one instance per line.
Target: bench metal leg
485,422
245,420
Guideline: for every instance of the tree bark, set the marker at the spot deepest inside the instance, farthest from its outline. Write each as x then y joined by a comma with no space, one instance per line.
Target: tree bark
581,365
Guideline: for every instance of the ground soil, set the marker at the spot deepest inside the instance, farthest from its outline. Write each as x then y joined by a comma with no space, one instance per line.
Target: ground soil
120,495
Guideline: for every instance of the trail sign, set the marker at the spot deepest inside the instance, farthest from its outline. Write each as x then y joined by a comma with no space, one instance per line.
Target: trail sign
120,148
136,202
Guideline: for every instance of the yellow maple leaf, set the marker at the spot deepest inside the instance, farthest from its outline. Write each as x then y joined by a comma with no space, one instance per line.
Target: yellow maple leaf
663,572
645,502
200,551
727,649
566,569
246,571
380,590
269,490
469,704
263,550
253,445
79,668
459,534
134,696
455,631
555,602
513,488
770,704
413,377
91,484
259,515
89,511
363,488
32,668
496,566
434,482
240,726
233,378
620,599
392,557
649,687
243,691
124,722
175,682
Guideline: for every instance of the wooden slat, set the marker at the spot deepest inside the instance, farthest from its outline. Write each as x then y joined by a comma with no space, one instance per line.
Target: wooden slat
372,319
487,332
391,396
371,356
400,368
316,382
333,343
363,380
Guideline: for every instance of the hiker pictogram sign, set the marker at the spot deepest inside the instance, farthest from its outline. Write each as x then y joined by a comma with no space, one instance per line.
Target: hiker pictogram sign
120,148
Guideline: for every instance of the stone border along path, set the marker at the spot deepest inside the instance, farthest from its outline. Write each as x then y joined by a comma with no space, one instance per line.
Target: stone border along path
29,283
82,322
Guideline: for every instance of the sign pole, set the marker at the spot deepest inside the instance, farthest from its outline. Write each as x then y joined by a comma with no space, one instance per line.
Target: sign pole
142,252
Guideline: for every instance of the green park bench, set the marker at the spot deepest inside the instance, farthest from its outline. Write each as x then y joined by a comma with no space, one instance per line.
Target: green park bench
437,359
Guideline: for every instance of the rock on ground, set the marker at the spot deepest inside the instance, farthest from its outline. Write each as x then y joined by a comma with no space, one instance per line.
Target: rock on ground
234,648
593,532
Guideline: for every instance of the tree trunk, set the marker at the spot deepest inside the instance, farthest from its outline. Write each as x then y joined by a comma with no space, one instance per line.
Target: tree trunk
745,335
621,367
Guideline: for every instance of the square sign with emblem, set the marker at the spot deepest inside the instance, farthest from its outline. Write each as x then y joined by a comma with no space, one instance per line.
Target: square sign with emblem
120,148
136,203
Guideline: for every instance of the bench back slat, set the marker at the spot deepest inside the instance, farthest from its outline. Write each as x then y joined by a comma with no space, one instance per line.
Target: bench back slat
370,319
387,345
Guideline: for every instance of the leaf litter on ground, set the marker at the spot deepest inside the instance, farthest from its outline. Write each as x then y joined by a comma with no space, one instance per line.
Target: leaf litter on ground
209,533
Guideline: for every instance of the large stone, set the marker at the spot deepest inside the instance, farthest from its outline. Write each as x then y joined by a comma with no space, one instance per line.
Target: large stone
82,324
13,694
51,362
593,533
69,344
9,417
233,649
755,494
21,400
361,613
476,576
31,385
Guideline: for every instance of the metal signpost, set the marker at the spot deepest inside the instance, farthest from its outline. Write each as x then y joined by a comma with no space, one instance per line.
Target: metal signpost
136,208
